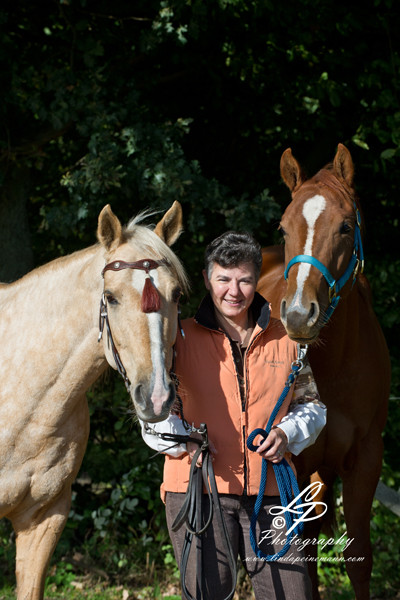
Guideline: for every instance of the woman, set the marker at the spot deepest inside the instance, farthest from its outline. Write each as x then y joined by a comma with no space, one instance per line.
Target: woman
232,364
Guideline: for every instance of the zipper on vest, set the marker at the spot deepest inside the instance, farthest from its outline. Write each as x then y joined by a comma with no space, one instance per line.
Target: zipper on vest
245,370
245,463
244,402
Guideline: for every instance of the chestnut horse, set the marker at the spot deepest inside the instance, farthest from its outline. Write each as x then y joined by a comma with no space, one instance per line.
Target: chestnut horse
326,302
51,354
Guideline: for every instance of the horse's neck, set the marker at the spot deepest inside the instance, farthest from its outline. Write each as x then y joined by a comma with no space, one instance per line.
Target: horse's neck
50,320
345,331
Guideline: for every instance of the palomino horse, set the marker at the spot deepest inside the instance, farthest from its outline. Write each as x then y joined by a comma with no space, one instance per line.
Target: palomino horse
50,356
348,353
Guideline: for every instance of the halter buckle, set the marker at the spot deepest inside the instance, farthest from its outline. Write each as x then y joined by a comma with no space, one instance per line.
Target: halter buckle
102,316
356,268
332,292
358,218
359,268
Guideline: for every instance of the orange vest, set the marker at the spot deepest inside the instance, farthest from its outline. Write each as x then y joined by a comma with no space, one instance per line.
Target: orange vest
210,392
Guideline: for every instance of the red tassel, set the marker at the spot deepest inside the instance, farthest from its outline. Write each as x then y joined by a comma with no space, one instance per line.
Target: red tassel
151,301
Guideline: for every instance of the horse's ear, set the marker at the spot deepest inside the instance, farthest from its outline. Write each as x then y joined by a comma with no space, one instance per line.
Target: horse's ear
109,229
343,164
291,171
170,226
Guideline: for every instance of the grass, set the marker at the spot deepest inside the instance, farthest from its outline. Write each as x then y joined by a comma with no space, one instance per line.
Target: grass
84,588
79,579
88,587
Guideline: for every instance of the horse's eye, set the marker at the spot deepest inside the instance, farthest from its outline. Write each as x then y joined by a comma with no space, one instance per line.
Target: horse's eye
282,230
345,227
176,294
110,298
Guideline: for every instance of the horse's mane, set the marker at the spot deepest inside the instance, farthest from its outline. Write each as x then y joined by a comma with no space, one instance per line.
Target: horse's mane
141,234
144,236
51,266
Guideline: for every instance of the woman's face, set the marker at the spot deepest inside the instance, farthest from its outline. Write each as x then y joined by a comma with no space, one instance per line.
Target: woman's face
232,289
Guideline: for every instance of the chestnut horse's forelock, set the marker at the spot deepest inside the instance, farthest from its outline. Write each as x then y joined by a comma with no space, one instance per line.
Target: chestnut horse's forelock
327,178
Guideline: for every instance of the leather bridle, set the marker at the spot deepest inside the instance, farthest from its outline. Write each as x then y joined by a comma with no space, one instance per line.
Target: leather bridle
147,265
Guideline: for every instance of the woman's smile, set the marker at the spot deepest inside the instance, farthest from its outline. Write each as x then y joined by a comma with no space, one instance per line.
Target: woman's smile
232,290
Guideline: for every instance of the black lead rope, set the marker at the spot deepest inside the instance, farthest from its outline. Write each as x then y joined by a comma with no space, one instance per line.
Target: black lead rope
192,515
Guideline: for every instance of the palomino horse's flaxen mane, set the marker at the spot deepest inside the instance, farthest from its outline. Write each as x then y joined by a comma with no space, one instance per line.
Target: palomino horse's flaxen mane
143,236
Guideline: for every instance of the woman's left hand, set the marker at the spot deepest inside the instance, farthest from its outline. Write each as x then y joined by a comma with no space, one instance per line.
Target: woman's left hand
274,446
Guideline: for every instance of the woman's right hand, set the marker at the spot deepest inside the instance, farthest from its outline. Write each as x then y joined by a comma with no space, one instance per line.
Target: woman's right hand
192,448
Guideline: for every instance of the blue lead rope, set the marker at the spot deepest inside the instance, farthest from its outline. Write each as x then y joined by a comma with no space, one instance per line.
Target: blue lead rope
286,480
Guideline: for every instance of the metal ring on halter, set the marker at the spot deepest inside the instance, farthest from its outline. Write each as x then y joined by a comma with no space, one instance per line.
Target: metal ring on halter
298,363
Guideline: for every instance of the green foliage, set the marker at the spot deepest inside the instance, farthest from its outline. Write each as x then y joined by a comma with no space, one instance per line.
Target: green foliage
142,105
7,553
385,531
385,583
63,575
385,289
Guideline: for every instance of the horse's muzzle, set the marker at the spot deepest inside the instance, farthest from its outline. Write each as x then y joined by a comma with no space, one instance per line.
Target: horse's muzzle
144,404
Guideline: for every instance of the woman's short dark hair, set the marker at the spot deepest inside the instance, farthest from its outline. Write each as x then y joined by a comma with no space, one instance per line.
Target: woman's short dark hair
232,249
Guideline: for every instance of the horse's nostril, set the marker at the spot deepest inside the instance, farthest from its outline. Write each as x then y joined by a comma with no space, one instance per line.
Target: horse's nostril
313,313
139,398
172,395
283,309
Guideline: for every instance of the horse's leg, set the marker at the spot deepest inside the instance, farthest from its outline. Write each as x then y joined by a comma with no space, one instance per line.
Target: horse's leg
36,540
359,487
312,528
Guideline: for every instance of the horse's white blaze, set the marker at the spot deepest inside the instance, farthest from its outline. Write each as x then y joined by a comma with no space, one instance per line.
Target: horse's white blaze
160,391
312,209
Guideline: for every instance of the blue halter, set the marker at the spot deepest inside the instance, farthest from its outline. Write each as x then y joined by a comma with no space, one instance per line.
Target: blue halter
356,263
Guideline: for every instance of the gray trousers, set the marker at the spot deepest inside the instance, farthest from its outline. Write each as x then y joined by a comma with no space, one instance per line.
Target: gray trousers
286,579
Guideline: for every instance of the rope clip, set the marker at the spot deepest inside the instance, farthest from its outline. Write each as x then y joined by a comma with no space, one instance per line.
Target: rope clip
202,430
301,355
